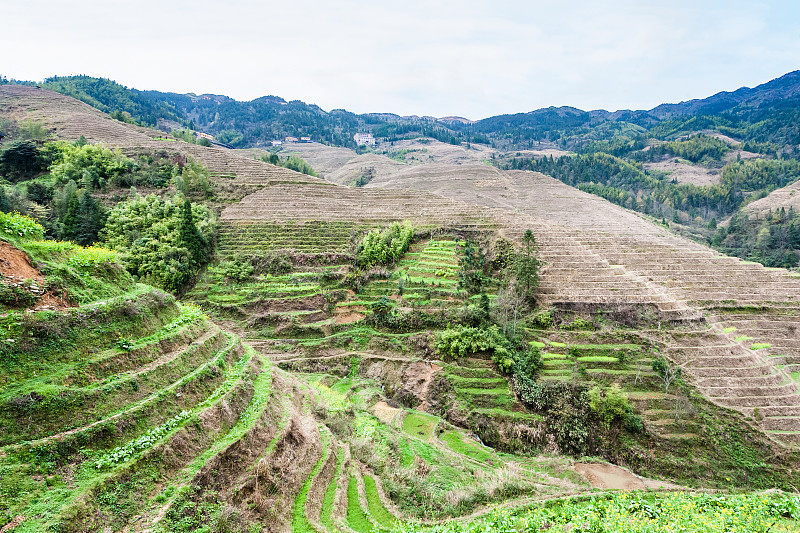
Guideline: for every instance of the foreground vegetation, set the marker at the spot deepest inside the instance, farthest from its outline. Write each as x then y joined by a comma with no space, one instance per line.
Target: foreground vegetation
636,512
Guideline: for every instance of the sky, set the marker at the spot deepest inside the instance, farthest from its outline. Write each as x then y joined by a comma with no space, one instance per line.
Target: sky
440,58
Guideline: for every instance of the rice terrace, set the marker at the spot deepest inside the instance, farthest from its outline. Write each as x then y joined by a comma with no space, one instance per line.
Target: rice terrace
557,320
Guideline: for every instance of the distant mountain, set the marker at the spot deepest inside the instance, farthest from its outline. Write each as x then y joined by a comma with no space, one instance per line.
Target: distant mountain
783,88
769,112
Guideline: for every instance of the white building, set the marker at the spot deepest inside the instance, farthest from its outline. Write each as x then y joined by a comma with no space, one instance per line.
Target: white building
363,139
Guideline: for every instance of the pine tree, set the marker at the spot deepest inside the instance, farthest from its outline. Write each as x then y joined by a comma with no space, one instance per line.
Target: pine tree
5,203
189,237
88,223
527,266
70,220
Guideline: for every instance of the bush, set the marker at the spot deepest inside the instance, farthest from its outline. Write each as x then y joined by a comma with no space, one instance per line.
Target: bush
384,247
236,270
464,340
610,405
90,165
153,237
274,263
527,365
543,319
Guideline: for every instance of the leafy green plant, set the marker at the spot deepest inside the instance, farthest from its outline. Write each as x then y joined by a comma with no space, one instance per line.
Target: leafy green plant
90,165
91,257
123,453
460,341
236,270
156,241
386,246
21,226
609,405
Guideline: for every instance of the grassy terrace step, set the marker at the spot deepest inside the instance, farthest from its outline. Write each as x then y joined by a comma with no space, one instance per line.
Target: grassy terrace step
469,372
262,387
138,418
125,471
356,518
377,510
300,522
459,444
326,514
181,331
102,400
420,425
461,382
56,338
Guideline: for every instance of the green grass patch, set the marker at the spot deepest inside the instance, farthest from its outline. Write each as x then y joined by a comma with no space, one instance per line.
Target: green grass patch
300,523
377,510
760,346
471,449
598,359
420,425
326,515
357,519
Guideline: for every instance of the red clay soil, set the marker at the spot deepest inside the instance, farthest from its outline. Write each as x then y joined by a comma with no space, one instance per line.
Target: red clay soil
14,262
15,266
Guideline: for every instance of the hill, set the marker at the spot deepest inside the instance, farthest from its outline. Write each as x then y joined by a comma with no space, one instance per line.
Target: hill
361,357
762,113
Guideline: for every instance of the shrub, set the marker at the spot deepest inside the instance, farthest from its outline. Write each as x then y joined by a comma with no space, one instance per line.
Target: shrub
609,405
528,364
384,247
275,263
543,319
578,324
236,270
90,165
151,235
465,340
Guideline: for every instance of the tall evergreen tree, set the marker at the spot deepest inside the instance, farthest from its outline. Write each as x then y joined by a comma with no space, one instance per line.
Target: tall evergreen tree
89,220
527,266
5,203
189,237
69,224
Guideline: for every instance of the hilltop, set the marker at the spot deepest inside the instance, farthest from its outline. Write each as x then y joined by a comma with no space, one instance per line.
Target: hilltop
767,110
441,337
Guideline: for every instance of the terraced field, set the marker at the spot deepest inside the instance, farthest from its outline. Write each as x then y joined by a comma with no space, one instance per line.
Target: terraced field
601,258
346,489
162,420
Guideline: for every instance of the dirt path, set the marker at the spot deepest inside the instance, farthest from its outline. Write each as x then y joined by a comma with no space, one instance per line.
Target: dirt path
603,476
385,412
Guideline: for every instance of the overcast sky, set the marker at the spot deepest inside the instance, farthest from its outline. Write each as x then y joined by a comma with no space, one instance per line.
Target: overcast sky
473,59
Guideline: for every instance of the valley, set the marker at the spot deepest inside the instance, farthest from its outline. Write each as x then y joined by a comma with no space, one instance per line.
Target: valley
419,338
